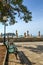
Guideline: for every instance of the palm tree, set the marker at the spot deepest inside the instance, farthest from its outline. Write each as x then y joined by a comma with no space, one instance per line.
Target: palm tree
10,8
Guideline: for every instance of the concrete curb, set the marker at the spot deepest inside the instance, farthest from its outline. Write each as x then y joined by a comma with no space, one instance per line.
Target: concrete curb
5,58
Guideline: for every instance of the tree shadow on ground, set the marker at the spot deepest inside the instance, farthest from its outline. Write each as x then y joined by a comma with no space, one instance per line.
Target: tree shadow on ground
18,46
38,50
23,58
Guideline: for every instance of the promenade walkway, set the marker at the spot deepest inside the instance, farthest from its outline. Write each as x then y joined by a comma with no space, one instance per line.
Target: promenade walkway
3,53
30,53
33,52
22,59
13,61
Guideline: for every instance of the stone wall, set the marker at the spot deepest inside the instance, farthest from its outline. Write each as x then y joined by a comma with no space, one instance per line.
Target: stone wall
23,39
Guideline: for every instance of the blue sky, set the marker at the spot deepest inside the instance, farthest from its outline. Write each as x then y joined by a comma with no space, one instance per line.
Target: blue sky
36,7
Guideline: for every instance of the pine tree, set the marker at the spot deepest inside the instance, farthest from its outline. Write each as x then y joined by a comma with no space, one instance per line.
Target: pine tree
10,8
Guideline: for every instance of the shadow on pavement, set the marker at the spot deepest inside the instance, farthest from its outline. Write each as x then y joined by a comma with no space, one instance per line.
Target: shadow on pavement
38,50
18,46
24,60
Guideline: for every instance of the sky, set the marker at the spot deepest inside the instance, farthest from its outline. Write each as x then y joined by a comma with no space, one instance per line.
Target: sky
36,7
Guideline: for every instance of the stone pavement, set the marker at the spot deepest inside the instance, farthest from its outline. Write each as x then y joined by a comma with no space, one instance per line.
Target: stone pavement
3,53
22,59
13,61
33,51
30,53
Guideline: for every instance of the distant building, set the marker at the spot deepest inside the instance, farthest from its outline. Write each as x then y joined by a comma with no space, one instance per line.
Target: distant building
1,35
39,34
25,35
8,35
28,35
31,35
21,36
16,34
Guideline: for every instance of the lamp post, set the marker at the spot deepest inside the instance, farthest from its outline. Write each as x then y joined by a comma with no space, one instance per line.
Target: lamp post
5,19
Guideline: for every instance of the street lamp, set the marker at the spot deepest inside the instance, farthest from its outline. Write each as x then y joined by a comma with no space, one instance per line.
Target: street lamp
5,19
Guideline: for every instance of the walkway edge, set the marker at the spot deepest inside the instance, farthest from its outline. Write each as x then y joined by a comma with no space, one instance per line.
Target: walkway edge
5,58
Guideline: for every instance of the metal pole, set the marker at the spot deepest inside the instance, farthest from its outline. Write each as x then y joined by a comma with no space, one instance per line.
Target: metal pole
4,33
